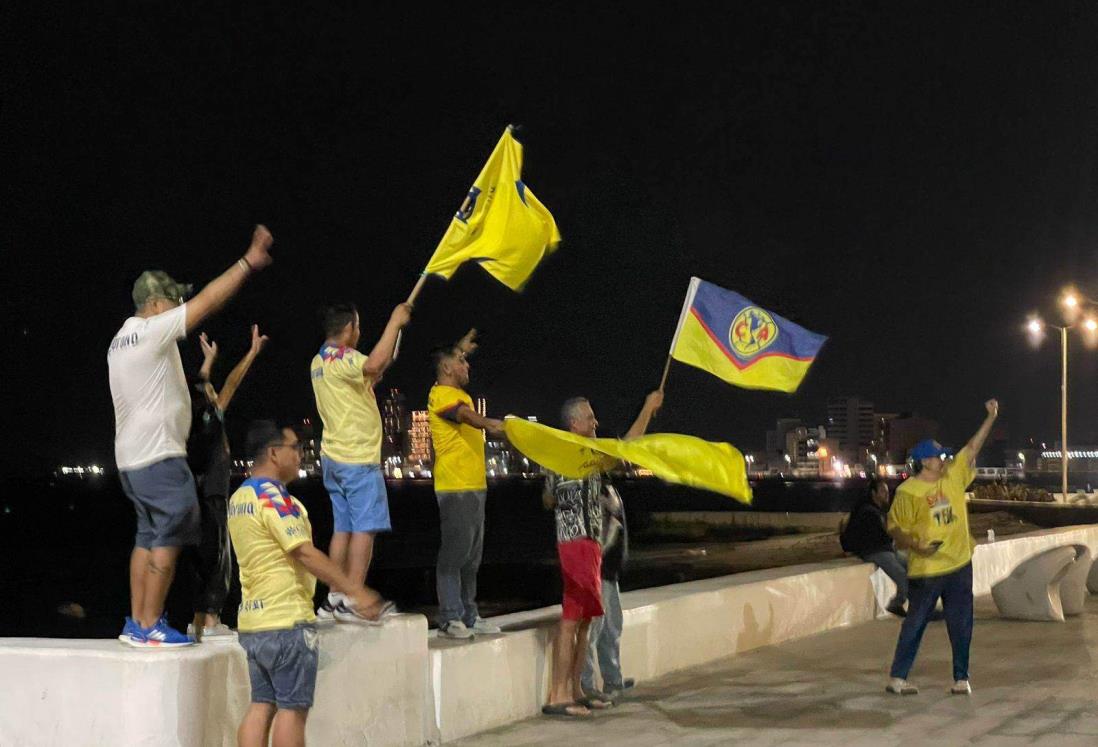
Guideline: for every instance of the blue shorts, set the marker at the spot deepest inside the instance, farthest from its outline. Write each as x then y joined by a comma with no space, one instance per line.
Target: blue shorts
359,502
166,503
282,665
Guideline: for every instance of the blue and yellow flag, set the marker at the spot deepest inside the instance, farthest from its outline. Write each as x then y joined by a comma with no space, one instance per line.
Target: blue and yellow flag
725,334
685,460
501,225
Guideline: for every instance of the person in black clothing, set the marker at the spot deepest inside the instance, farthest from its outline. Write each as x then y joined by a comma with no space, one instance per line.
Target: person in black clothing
208,455
865,536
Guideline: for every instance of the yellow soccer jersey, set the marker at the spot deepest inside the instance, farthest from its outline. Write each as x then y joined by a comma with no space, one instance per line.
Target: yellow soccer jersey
265,524
347,406
459,447
937,511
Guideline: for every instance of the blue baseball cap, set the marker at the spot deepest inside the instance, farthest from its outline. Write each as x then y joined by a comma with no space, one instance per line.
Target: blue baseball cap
929,448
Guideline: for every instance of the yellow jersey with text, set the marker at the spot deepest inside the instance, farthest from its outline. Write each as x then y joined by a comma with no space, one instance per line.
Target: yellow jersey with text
347,406
265,524
459,447
937,511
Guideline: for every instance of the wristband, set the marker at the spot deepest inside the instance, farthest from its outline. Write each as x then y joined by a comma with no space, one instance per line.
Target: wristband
245,265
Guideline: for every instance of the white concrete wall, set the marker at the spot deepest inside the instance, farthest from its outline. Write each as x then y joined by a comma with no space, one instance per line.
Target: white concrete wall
371,689
396,685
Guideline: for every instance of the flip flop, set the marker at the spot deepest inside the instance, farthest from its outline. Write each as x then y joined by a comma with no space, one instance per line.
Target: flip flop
595,704
565,710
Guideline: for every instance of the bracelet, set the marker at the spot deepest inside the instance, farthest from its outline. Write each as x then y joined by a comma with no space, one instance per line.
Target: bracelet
245,265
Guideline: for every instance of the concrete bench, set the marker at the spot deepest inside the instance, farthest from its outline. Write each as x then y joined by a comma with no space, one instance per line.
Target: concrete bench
1073,588
1032,590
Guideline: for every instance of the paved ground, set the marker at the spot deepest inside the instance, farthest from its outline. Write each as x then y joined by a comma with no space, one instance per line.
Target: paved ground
1034,683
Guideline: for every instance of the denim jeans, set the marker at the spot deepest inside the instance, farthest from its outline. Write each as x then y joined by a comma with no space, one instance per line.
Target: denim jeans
604,642
461,520
955,590
894,566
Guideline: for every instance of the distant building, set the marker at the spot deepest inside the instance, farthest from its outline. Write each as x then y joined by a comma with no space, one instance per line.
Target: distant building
906,430
419,450
1080,459
851,423
394,425
776,446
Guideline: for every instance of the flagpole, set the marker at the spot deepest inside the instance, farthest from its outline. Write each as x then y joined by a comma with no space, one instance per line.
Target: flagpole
686,304
411,302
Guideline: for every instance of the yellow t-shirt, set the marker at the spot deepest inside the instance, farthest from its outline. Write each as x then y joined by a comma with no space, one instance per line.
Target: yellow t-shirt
933,511
459,447
348,409
265,524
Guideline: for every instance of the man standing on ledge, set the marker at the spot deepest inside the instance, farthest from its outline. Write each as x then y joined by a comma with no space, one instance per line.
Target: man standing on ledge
350,450
929,517
152,412
278,570
461,487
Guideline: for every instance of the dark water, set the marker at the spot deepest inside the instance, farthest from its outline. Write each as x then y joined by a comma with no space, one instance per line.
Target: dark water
69,542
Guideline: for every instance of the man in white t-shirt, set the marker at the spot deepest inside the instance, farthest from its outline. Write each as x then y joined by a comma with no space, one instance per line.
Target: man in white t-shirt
152,411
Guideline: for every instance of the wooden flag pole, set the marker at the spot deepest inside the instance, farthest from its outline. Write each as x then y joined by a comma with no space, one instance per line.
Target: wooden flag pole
418,287
666,370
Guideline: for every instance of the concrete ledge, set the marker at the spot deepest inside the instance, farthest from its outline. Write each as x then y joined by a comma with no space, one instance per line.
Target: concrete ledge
395,685
372,687
822,521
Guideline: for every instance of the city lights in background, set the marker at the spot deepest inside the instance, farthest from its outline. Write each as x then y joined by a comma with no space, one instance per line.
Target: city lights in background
93,470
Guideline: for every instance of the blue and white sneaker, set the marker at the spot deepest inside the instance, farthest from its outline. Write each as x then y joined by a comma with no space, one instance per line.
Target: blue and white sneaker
325,613
131,630
161,635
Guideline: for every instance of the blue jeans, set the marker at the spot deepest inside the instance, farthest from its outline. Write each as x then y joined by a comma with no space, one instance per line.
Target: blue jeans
955,591
282,665
604,642
461,521
894,566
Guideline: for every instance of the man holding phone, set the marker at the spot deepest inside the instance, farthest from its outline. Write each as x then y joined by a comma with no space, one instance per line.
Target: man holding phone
929,517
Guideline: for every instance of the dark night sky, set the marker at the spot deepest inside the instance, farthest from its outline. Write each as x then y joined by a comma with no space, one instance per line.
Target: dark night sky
911,182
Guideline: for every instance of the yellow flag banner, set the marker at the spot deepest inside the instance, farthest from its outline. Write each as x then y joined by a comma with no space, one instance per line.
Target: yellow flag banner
685,460
501,225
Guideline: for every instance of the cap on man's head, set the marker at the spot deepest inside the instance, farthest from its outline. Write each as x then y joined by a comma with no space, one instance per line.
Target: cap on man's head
158,284
929,448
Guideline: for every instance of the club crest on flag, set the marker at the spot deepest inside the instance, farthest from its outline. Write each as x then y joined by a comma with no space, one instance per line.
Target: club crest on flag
752,331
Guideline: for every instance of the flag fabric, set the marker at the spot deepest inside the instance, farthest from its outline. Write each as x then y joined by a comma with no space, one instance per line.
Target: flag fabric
730,337
685,460
501,225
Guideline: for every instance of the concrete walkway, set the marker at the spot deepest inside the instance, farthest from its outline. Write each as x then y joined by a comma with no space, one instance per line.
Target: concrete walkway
1033,683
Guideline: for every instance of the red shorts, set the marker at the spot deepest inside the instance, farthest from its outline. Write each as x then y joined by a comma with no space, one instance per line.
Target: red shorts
581,569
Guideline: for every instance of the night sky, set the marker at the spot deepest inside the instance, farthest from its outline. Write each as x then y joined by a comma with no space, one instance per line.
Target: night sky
911,182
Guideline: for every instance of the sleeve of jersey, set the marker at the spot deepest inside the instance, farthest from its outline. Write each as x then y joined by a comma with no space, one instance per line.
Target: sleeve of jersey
445,405
901,514
169,327
285,525
962,470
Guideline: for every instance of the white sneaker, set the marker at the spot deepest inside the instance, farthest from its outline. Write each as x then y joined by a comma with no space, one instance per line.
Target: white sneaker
344,614
961,687
900,686
483,627
221,631
325,613
455,629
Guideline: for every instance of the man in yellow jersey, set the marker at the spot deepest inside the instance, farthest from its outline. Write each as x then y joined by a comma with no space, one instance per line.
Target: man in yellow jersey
929,518
278,570
350,450
461,487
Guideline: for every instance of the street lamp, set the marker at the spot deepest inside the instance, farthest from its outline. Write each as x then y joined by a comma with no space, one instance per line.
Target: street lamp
1070,301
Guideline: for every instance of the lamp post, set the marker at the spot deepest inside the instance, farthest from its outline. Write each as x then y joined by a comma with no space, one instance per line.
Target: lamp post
1071,303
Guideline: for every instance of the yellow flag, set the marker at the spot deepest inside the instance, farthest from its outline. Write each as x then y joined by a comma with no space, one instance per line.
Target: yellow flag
685,460
501,224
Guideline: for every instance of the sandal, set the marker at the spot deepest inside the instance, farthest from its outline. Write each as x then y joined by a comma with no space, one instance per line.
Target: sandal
595,703
565,710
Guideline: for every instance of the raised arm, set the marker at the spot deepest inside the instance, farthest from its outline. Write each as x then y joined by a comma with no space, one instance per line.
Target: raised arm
381,357
652,404
219,290
232,383
977,441
209,355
